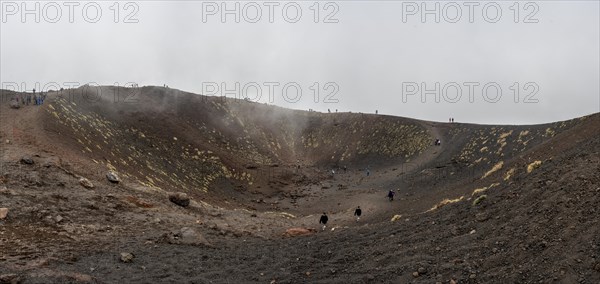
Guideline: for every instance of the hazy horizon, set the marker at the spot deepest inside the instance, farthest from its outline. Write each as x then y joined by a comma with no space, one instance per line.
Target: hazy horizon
355,56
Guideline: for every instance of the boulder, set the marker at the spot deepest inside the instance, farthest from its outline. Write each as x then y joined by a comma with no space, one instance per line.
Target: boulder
113,177
294,232
86,182
27,160
185,236
191,237
127,257
3,213
180,199
481,217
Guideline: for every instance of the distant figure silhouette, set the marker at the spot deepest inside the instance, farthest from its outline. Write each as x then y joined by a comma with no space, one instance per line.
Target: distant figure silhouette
438,142
324,220
357,213
391,194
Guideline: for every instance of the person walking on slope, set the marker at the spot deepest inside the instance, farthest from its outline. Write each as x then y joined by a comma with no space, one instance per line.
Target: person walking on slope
357,213
324,220
391,194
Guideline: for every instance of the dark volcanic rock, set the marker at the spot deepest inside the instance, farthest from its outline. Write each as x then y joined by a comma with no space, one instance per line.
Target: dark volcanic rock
27,160
113,177
180,199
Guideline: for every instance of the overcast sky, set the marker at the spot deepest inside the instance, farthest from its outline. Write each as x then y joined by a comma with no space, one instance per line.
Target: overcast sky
361,56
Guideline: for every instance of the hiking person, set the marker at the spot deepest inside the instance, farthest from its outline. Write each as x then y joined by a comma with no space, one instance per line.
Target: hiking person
391,194
357,213
324,220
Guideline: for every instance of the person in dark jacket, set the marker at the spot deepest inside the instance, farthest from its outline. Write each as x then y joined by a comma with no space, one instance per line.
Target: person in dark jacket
391,194
357,213
324,220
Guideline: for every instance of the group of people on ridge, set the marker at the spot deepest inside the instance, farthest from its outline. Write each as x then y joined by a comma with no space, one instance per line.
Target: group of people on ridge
36,99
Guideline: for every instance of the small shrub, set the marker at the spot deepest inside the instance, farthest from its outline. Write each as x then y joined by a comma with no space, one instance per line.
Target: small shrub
509,174
479,199
495,168
445,202
533,166
481,190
